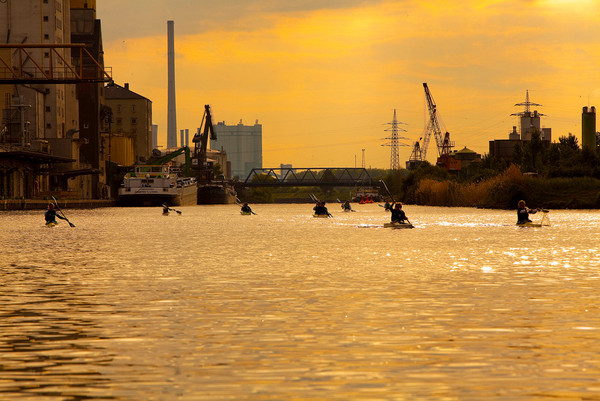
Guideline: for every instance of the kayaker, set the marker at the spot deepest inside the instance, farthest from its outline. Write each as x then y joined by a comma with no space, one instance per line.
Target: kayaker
523,213
320,209
165,208
387,205
246,208
398,215
50,215
346,206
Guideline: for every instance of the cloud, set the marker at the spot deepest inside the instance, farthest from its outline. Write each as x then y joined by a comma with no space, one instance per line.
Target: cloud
330,73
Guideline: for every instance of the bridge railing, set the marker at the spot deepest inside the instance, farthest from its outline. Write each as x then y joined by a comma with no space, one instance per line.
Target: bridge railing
304,177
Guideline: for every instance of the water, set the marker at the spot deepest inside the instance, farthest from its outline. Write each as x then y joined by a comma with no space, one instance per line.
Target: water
212,305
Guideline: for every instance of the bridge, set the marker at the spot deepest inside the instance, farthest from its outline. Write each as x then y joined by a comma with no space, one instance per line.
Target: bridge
307,177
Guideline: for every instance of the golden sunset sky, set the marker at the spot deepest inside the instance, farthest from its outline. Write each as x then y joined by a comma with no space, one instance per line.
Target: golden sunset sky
323,77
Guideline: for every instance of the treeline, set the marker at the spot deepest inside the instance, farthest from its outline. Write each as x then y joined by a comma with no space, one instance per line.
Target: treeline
559,176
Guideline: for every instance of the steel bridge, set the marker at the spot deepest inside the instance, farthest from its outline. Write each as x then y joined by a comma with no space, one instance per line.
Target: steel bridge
307,177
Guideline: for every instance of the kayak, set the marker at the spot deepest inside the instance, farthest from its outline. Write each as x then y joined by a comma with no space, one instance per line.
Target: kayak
245,213
321,216
398,225
166,214
529,224
51,224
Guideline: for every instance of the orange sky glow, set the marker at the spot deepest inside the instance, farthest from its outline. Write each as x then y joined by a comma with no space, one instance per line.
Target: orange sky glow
324,77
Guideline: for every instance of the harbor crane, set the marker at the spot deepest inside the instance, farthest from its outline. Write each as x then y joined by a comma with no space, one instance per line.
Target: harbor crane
444,145
200,161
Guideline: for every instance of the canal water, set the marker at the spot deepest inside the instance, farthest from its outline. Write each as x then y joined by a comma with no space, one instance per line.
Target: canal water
212,305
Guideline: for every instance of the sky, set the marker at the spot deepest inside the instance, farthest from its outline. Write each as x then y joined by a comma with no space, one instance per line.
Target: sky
324,77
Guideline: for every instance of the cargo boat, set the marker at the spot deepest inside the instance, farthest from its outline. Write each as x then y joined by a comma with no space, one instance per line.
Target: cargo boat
153,185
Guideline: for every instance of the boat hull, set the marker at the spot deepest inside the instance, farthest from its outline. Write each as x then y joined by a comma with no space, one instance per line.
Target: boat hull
184,196
214,194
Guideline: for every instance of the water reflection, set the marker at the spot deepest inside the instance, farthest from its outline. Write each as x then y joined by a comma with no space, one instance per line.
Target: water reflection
214,305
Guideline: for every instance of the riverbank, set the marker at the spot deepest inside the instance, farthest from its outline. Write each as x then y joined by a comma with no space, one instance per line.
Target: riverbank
40,204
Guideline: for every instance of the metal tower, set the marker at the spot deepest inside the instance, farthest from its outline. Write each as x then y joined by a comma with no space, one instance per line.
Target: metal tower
527,105
395,143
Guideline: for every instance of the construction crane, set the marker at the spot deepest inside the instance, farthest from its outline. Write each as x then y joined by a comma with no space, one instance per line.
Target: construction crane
444,145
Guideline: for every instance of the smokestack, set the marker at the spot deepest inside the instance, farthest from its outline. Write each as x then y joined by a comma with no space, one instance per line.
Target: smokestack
172,109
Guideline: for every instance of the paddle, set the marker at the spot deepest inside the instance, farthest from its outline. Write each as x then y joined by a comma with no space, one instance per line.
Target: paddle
392,198
61,212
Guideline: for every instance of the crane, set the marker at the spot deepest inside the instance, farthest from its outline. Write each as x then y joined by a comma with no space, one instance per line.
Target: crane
201,165
444,145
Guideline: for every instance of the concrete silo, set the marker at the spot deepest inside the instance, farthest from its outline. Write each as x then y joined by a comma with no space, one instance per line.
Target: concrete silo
588,128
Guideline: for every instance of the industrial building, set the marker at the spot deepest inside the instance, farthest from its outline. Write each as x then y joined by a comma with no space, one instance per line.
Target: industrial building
588,129
130,134
529,122
243,145
44,125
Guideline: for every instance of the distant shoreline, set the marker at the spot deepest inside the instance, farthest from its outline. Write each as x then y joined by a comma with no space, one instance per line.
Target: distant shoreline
41,204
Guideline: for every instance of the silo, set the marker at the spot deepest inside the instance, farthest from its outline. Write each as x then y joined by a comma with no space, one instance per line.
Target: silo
588,128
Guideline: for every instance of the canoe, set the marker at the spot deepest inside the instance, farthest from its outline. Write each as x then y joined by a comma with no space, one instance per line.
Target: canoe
398,225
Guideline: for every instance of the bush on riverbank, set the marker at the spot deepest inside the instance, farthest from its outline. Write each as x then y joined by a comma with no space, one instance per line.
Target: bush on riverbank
505,190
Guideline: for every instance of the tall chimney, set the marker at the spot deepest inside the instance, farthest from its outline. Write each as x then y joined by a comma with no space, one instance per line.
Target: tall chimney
172,109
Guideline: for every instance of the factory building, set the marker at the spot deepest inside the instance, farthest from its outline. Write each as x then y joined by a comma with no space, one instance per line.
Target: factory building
44,119
529,122
243,145
131,128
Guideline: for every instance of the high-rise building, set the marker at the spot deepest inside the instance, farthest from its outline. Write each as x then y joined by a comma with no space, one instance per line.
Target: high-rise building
243,145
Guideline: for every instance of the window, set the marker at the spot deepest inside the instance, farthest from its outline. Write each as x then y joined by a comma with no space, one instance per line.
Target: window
118,108
133,108
45,18
47,109
119,120
46,54
48,125
133,120
46,36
